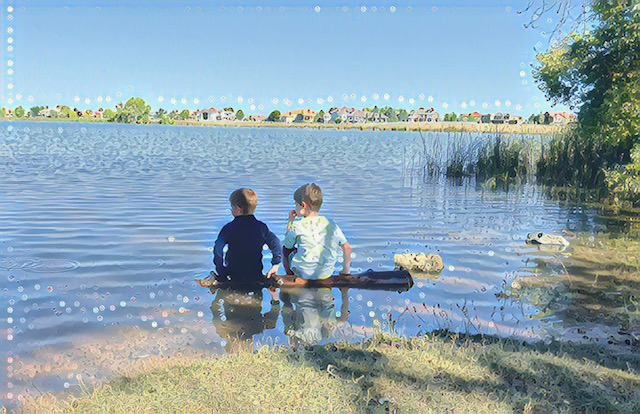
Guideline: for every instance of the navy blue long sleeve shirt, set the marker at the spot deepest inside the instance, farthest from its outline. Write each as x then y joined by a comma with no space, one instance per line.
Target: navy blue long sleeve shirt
245,236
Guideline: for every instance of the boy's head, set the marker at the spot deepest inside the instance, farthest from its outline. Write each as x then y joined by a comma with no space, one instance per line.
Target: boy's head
310,195
243,202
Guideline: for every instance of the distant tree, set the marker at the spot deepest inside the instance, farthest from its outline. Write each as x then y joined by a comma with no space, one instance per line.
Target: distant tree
19,112
134,111
173,115
452,117
338,120
3,112
160,113
390,113
402,115
230,109
239,115
34,111
184,114
319,117
109,115
274,116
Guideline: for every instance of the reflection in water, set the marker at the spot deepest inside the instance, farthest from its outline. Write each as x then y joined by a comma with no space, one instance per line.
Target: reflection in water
309,316
237,317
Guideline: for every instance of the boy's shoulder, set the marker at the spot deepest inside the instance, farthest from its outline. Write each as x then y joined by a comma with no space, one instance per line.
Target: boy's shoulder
313,223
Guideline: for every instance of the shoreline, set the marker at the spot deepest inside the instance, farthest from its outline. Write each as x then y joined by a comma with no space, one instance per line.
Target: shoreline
471,127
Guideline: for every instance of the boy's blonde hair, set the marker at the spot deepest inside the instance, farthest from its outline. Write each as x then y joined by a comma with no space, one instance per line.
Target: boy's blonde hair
310,194
244,198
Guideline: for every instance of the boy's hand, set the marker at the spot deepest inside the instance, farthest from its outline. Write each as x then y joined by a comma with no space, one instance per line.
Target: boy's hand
273,271
292,215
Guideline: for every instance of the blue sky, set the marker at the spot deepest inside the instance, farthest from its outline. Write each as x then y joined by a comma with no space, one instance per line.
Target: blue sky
260,56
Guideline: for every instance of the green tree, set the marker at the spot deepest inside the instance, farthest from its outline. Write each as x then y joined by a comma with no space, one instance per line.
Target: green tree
596,71
184,114
319,117
34,111
402,115
18,112
274,116
134,111
390,113
239,115
108,114
160,113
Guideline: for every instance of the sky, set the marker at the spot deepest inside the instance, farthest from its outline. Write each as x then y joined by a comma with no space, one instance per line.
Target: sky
258,56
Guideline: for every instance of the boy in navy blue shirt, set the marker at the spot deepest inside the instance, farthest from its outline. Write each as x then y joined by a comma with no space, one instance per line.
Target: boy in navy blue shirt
245,236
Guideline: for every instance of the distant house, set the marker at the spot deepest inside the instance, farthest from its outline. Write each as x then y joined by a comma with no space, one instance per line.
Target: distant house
330,117
351,115
562,117
500,118
207,115
424,115
304,116
471,117
47,112
288,117
376,117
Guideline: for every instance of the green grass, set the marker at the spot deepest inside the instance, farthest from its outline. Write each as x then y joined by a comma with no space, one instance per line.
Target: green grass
442,372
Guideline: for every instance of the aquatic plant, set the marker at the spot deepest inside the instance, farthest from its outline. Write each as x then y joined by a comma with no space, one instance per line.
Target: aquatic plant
623,181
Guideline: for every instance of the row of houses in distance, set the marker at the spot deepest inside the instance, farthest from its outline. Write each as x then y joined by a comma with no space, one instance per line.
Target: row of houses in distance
334,115
344,114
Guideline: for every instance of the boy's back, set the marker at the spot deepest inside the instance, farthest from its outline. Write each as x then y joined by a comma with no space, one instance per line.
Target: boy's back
317,241
244,236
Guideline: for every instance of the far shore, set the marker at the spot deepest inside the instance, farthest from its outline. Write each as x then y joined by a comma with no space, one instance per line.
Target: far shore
391,126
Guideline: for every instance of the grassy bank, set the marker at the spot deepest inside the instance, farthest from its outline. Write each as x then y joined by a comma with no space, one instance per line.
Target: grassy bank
439,373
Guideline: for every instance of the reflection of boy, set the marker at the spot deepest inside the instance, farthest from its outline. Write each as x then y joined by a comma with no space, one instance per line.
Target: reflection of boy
308,314
237,317
245,236
311,244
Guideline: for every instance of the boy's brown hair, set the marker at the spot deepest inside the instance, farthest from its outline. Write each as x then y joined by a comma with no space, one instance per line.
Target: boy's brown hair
244,198
310,194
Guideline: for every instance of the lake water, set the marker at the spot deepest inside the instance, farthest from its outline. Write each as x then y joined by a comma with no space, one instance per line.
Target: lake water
103,229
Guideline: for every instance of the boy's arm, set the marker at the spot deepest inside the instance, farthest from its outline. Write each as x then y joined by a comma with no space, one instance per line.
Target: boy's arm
346,258
288,246
218,258
285,260
276,251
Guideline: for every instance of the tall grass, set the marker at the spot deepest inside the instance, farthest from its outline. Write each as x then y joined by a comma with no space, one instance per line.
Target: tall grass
505,158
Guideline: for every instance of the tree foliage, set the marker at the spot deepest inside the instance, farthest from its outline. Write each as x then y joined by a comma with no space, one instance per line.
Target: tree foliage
274,116
597,72
34,111
18,112
239,115
134,111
